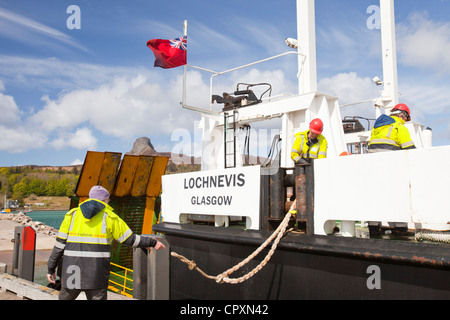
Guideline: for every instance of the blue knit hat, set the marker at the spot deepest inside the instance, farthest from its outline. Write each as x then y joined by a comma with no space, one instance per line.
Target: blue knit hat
99,193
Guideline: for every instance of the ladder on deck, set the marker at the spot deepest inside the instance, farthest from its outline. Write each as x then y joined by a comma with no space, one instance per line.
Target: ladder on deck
229,133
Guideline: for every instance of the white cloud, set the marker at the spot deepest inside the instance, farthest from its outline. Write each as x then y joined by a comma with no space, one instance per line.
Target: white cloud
8,110
124,103
123,107
113,101
29,31
14,135
424,43
82,139
64,76
276,78
19,139
349,88
76,162
429,104
432,99
426,100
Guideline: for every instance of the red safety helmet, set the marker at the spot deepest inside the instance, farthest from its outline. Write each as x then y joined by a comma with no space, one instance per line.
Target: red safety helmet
316,126
403,107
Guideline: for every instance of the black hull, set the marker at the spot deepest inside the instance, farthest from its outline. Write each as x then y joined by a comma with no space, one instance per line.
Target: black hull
305,266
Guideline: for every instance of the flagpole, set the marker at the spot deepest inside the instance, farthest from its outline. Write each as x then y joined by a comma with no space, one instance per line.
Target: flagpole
185,66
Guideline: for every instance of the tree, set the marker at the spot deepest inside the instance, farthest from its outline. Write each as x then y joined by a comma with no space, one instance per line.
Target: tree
22,185
20,190
37,186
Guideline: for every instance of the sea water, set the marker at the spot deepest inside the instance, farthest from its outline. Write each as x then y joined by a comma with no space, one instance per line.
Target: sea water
50,217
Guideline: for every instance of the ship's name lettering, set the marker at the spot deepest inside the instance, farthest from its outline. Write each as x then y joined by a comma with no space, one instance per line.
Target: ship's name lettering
212,200
219,181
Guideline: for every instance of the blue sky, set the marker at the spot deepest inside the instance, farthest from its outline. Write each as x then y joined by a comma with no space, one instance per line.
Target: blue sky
65,91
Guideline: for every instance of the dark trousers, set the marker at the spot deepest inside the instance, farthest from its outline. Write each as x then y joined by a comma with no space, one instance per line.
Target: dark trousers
91,294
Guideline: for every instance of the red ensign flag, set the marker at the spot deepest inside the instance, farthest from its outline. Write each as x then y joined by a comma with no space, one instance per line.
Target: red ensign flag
169,53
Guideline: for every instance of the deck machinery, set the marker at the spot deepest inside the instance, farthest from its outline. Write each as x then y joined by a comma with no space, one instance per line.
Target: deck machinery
337,248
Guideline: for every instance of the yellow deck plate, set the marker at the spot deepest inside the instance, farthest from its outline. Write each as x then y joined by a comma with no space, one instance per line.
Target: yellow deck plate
126,175
158,170
142,175
90,173
109,171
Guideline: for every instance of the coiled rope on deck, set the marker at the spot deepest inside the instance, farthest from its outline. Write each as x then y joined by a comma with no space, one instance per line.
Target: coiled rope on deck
432,235
224,276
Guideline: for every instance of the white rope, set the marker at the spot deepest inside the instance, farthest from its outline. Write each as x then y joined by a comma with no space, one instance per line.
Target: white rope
224,276
430,235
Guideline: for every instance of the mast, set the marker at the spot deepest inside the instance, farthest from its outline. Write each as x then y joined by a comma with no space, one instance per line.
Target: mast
306,35
185,24
390,94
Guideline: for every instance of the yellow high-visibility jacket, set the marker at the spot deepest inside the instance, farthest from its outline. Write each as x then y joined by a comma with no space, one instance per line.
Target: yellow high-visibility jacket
389,133
300,149
84,243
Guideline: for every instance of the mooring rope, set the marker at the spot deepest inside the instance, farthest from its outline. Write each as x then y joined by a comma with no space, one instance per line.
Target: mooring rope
431,235
224,276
